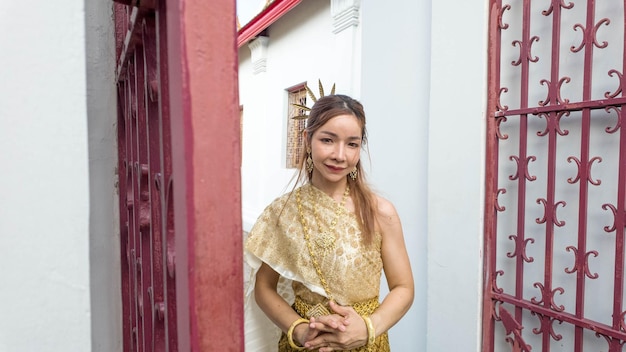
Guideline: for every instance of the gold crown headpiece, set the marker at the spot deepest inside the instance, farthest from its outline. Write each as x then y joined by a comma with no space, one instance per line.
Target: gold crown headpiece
313,97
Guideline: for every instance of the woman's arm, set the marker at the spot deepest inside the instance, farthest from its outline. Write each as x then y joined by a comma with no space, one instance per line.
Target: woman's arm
268,299
397,269
275,307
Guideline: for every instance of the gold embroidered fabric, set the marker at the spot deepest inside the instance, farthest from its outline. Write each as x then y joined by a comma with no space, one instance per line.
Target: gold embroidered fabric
351,268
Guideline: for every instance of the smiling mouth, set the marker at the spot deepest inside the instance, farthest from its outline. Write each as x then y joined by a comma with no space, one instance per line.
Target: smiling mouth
335,169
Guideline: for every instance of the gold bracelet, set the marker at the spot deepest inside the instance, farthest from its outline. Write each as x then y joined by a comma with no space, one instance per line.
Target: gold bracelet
290,333
371,333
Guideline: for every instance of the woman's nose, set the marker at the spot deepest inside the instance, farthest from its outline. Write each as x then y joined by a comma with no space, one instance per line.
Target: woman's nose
340,152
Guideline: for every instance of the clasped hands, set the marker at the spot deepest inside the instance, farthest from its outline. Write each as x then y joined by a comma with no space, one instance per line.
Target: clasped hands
345,329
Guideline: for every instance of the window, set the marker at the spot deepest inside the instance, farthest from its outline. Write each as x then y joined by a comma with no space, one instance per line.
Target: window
295,142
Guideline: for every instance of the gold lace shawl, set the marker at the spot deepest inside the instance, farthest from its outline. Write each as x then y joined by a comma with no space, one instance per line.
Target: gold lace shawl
351,268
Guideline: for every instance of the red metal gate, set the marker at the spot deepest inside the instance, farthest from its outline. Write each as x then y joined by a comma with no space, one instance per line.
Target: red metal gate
180,210
145,183
556,177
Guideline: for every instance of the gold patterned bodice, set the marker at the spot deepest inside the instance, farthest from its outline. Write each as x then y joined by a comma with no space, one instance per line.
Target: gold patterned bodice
351,268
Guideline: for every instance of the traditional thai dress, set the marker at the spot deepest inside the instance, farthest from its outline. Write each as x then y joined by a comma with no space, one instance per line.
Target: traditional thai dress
351,268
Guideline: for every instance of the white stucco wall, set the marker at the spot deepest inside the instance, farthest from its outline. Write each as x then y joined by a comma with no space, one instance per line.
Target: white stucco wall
456,136
395,93
44,186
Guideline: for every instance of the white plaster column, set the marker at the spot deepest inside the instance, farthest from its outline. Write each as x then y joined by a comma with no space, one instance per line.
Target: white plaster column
456,174
258,50
104,225
395,90
346,27
345,14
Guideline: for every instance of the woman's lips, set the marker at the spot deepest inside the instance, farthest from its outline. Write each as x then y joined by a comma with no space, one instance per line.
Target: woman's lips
335,169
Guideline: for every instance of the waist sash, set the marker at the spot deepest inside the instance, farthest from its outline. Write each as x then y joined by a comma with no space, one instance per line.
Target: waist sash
367,307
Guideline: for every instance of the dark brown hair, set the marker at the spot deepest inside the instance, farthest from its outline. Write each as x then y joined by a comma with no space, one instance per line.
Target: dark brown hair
362,196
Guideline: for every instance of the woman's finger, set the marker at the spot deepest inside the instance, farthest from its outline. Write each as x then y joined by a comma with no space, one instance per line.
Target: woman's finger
325,328
321,341
328,323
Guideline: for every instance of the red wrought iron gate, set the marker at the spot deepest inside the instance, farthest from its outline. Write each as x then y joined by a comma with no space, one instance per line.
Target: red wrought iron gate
556,177
145,170
181,254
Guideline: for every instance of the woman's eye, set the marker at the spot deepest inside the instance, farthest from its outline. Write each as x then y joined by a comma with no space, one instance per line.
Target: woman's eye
326,140
354,145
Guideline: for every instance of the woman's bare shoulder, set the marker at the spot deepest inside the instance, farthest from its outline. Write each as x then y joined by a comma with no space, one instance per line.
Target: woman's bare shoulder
385,210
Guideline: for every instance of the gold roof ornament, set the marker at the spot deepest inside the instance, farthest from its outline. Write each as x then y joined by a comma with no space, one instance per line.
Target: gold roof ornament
313,97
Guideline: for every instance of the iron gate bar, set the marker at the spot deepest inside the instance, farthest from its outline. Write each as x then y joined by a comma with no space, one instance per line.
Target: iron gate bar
576,106
128,21
144,265
583,173
167,308
150,87
562,316
132,193
619,314
491,180
550,204
522,161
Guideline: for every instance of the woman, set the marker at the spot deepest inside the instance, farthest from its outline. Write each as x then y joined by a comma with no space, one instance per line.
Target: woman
331,238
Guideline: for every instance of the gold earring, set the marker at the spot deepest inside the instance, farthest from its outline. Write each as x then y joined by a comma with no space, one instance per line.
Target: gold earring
353,174
309,162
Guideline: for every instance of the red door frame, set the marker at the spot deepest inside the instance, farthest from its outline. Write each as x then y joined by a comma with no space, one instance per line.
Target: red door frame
205,125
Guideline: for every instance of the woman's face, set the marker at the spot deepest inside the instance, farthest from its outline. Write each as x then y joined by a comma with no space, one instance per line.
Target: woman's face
336,149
